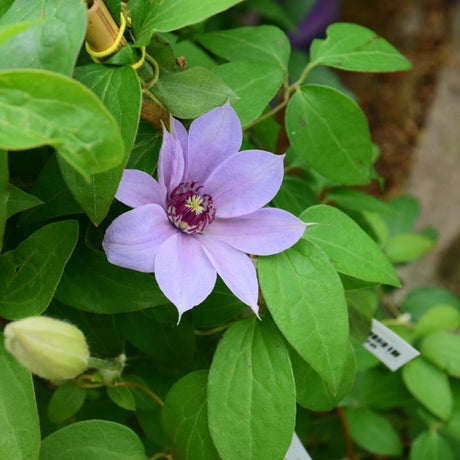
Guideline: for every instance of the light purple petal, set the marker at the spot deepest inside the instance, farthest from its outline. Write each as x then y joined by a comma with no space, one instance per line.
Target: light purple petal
184,272
170,162
180,133
264,232
236,270
133,238
138,188
213,137
245,182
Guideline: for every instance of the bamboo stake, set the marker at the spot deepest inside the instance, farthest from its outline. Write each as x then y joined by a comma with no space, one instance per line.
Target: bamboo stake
102,29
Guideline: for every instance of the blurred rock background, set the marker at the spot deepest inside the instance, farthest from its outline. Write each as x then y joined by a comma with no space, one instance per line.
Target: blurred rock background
415,119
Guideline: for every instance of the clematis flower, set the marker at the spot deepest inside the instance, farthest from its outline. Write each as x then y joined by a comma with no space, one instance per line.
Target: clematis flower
204,214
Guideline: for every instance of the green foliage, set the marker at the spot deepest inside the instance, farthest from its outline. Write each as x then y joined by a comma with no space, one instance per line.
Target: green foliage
219,383
50,44
431,446
191,93
354,47
65,402
65,115
151,16
430,386
263,44
19,201
10,30
185,418
350,249
31,272
96,196
305,297
373,432
19,428
93,440
330,132
251,393
254,83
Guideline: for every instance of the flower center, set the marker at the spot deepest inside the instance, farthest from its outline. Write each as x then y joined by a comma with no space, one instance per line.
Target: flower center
189,209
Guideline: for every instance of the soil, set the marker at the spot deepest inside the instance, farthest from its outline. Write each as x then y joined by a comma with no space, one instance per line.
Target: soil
396,104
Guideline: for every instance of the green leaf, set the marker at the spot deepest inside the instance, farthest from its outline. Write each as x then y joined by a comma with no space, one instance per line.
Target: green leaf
350,249
443,349
100,331
193,53
4,194
295,195
185,418
358,201
431,446
251,393
91,283
31,272
53,43
119,89
93,440
218,308
430,386
262,43
43,108
377,388
406,247
172,348
407,210
305,297
150,16
66,401
122,397
439,318
362,304
422,299
312,391
191,93
354,47
329,131
10,30
144,155
373,432
18,200
255,83
51,189
19,425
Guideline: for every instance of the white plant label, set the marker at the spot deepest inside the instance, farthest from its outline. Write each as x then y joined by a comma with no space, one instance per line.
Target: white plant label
297,450
388,347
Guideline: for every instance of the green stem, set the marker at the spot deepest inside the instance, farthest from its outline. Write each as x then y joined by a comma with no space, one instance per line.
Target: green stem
267,115
213,331
288,91
140,387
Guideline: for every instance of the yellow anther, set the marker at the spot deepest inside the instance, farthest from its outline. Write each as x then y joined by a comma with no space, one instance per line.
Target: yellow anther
194,203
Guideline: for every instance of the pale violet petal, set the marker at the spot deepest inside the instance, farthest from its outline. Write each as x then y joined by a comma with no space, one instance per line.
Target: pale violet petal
133,238
138,188
170,162
264,232
184,272
180,133
236,270
213,137
245,182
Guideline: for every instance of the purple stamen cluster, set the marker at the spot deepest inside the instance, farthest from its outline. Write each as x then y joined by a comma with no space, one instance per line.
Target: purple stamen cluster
188,209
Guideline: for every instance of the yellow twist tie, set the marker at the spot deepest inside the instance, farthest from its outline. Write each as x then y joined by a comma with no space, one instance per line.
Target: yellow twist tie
137,64
96,55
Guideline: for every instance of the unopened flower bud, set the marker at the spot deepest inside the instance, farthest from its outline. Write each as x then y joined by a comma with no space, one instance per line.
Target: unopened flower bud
52,349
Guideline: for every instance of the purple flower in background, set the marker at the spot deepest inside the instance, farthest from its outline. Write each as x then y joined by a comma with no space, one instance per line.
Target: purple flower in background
203,214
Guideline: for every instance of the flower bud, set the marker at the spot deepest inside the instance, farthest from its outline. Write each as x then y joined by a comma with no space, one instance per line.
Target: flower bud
52,349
